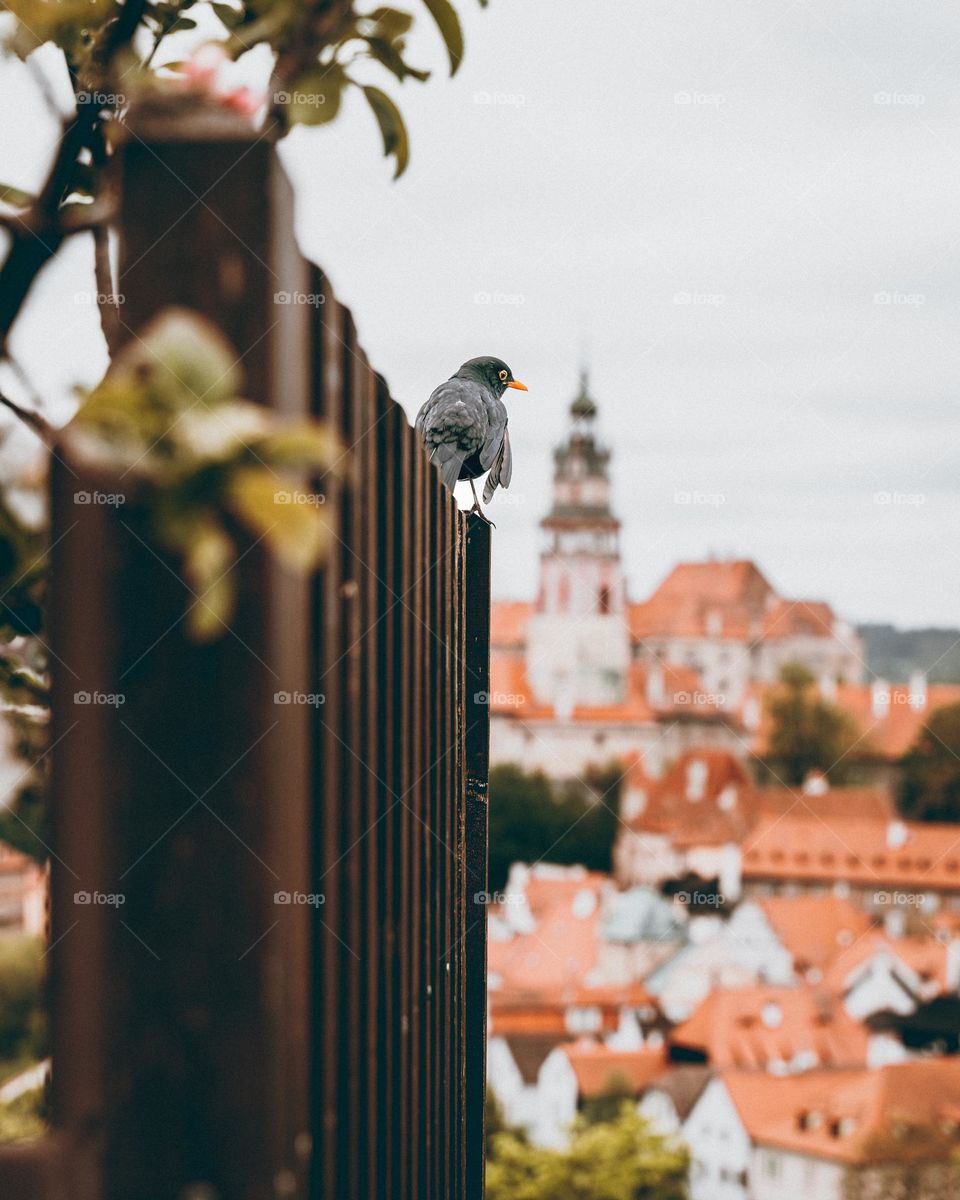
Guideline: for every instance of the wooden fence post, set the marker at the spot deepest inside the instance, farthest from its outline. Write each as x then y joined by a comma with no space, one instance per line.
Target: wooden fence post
212,1041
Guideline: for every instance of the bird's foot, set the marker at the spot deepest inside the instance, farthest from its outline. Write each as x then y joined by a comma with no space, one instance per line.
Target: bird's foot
481,514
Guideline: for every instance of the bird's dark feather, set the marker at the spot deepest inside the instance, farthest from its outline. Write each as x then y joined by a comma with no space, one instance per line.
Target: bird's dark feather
462,426
502,470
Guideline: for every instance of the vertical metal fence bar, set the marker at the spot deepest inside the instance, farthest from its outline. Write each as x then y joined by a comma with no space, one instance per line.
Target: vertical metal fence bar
477,749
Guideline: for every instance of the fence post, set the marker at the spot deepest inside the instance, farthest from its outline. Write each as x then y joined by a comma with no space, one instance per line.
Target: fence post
477,752
208,1045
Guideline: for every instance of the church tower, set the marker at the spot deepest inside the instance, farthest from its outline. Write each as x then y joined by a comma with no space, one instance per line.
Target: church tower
578,647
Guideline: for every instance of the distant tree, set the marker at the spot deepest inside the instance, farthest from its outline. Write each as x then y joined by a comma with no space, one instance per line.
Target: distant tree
909,1160
496,1121
532,818
808,733
609,1101
621,1159
930,780
22,1020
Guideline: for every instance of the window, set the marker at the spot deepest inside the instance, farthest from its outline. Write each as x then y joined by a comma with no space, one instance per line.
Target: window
603,602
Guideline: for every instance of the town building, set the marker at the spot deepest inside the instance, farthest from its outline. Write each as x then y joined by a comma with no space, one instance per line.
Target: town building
585,674
829,1134
690,825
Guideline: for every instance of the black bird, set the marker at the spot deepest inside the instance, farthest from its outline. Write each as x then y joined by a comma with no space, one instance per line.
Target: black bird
464,427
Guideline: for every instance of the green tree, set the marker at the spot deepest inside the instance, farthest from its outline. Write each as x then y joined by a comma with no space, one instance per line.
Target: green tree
608,1102
497,1123
532,819
22,1020
621,1159
906,1160
808,733
930,781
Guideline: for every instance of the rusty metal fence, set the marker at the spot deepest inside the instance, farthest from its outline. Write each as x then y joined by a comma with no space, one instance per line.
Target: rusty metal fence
290,999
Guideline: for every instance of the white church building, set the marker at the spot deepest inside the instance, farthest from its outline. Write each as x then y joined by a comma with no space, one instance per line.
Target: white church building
584,674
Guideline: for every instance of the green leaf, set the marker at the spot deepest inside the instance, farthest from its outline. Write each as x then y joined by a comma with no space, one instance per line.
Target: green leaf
389,23
207,561
229,16
314,99
448,23
294,525
392,59
392,128
313,447
14,196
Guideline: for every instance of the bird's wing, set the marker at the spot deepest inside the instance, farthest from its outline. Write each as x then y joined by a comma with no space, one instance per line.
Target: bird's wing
502,470
453,425
496,427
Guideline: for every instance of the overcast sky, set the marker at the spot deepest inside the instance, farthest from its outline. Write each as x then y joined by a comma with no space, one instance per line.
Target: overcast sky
744,216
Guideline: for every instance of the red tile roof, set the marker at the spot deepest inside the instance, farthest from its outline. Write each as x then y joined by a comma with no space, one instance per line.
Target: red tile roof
598,1067
708,798
854,1116
678,695
698,599
815,929
703,799
508,622
793,618
759,1026
541,973
925,956
897,854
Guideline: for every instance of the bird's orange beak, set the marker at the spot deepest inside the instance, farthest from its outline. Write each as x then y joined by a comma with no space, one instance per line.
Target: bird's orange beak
515,383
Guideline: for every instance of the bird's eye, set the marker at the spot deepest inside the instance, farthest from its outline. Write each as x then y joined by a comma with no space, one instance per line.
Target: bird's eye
503,375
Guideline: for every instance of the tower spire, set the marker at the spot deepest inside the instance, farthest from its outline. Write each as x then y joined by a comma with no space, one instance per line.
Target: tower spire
578,649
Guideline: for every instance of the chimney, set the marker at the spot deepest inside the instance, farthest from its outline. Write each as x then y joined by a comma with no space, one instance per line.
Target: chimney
815,784
655,689
952,968
897,834
879,698
696,781
917,695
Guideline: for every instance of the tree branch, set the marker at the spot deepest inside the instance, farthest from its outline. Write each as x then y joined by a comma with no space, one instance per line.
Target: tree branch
42,233
32,419
107,301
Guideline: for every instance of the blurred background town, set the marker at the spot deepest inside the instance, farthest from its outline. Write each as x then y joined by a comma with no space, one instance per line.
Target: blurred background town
725,868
